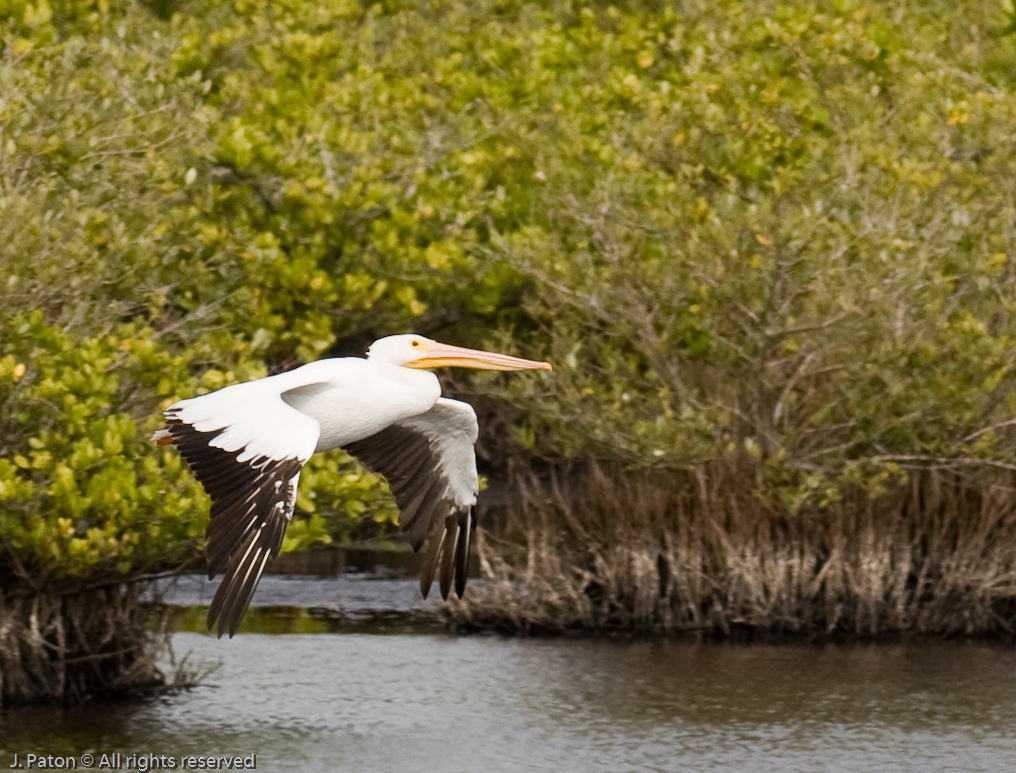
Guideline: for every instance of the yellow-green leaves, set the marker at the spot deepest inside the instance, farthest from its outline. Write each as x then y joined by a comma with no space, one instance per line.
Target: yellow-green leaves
774,232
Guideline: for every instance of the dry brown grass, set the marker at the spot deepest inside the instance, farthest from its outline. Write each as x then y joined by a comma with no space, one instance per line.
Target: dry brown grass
75,646
643,552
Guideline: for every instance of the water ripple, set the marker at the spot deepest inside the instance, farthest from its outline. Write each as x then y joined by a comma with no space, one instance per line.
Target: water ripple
414,703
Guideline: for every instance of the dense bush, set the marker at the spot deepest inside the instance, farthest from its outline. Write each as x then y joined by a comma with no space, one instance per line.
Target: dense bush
783,235
776,234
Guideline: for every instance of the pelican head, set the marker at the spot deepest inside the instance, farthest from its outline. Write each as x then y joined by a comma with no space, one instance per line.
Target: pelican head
414,351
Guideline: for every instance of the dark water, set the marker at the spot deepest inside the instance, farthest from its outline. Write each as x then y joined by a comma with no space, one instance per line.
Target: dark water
431,702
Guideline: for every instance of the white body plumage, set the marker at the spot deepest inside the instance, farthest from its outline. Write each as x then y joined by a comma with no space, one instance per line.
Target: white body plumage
246,444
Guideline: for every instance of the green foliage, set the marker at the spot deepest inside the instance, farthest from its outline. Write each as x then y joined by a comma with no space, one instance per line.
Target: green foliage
79,490
783,234
125,284
774,232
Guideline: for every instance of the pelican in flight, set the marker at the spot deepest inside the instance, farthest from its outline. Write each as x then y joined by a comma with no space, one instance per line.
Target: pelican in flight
247,443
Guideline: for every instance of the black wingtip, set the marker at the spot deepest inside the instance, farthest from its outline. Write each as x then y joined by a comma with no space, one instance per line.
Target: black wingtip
461,568
252,503
447,556
452,538
437,537
236,590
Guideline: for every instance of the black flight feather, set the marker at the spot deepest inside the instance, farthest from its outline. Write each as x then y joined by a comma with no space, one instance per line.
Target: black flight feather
252,502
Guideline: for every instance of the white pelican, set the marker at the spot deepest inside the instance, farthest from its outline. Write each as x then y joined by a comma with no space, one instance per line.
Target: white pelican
247,443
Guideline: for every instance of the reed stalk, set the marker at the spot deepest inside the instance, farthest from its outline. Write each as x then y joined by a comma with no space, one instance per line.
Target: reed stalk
598,550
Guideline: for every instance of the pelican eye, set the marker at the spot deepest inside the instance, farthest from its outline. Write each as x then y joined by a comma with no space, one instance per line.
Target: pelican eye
415,343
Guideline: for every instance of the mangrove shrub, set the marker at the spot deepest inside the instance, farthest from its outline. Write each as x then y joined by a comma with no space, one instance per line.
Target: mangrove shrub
767,238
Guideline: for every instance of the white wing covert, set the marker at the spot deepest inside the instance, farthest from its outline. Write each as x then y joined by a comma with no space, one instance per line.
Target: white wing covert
246,446
429,463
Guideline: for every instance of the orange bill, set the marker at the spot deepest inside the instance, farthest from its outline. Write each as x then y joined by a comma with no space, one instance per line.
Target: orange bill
443,355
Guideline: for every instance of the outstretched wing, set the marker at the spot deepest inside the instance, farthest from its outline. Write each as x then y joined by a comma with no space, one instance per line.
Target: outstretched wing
430,466
246,446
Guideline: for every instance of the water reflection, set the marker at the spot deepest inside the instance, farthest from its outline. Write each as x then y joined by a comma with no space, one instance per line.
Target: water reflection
375,702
